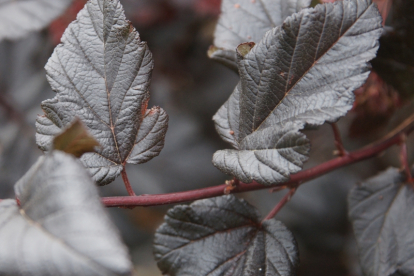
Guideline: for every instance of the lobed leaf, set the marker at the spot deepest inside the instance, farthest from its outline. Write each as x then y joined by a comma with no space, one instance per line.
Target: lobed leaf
60,227
19,17
301,73
223,236
382,213
248,20
101,72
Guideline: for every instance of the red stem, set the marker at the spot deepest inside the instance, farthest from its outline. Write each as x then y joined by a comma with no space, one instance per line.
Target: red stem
126,182
281,203
295,179
338,140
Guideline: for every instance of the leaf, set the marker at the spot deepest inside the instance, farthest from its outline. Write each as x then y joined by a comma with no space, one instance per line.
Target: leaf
75,140
101,73
226,57
382,213
19,17
60,227
302,73
23,85
223,236
248,20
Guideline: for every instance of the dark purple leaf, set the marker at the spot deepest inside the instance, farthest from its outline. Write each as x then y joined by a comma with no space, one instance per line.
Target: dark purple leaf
60,227
382,213
302,73
223,236
248,20
101,73
19,17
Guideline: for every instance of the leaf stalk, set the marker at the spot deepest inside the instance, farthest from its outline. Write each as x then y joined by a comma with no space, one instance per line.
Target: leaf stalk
338,140
281,203
127,183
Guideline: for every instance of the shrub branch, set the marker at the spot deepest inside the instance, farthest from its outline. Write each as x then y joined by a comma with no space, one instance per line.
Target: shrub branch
393,138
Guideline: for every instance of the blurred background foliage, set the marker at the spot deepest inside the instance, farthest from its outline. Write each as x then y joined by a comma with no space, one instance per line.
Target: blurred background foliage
191,88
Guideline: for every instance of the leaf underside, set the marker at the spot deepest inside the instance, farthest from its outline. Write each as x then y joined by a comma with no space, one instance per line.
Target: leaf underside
60,227
300,74
245,21
19,17
101,73
223,236
382,213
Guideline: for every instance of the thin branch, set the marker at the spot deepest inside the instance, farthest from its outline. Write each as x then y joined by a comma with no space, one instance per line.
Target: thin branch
404,158
281,203
353,157
338,140
394,137
126,182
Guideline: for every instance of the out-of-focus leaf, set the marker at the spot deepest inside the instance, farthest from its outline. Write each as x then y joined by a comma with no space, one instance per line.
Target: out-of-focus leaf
60,227
302,73
101,73
223,236
248,20
19,17
23,86
395,59
375,102
75,140
382,212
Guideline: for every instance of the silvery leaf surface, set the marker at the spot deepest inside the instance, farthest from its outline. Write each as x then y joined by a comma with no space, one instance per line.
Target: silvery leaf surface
60,227
248,20
301,73
265,156
101,73
382,213
19,17
223,236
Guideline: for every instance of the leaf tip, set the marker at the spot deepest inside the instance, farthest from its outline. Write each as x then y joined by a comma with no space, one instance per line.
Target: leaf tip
211,50
75,139
244,48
